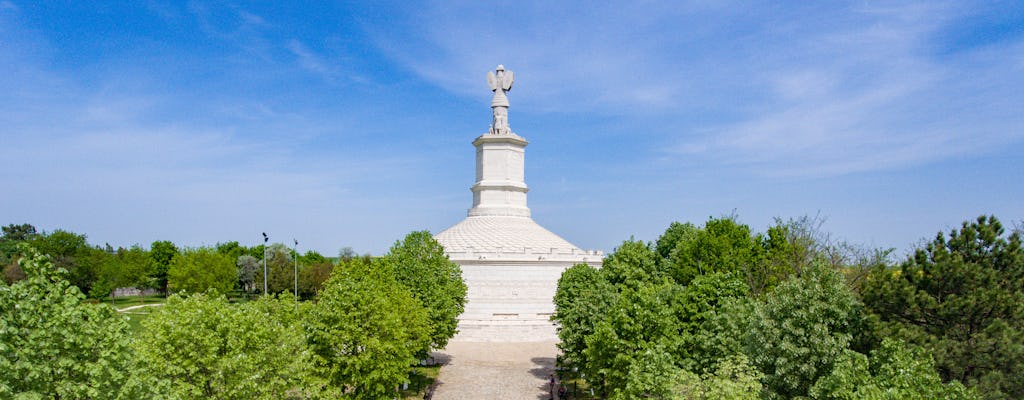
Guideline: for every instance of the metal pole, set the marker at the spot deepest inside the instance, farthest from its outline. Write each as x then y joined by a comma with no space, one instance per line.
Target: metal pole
265,239
295,255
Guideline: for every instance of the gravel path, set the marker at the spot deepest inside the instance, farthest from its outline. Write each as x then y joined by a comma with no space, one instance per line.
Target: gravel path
139,306
495,371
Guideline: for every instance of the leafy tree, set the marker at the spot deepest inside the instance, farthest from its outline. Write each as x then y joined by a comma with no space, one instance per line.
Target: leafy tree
800,330
642,319
248,268
312,278
9,239
632,263
71,251
675,234
733,378
346,253
365,330
895,372
280,269
698,303
231,249
131,267
312,257
201,269
54,345
162,252
722,334
583,298
723,245
652,375
962,299
419,264
18,233
204,347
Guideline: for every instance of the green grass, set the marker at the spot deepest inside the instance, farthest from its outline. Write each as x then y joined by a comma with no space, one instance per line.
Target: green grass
135,318
137,315
127,301
420,380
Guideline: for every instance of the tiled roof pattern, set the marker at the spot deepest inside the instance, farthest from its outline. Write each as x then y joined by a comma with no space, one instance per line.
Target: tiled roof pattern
482,234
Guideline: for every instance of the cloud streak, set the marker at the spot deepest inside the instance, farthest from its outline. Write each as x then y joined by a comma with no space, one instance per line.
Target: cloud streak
800,91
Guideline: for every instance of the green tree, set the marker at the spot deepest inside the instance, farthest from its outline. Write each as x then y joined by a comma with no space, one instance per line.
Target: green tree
652,375
312,257
800,330
280,269
698,303
962,299
895,372
203,347
582,299
642,319
71,251
722,245
12,235
733,378
162,252
675,234
722,334
248,269
365,330
231,249
632,263
132,267
312,277
54,345
419,264
201,269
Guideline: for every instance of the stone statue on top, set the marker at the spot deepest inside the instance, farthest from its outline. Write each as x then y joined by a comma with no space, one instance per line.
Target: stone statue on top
500,81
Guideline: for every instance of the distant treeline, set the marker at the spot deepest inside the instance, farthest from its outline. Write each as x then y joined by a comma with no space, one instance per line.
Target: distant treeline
98,270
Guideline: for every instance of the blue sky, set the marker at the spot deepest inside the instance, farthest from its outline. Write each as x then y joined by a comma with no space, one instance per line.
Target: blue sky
350,124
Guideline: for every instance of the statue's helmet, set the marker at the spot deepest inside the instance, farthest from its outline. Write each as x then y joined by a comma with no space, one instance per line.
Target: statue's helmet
500,68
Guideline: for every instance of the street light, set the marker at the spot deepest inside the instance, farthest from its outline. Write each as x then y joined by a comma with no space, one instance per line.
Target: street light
295,256
265,239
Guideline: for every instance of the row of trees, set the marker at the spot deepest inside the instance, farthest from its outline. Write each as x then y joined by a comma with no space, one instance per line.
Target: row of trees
372,320
717,312
165,267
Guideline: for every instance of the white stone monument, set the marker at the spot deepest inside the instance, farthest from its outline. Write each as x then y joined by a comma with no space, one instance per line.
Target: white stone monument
510,263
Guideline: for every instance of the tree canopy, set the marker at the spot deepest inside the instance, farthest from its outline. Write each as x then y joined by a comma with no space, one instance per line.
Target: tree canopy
961,297
365,331
419,264
53,344
201,269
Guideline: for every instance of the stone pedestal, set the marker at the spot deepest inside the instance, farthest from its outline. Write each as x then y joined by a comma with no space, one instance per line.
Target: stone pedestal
500,187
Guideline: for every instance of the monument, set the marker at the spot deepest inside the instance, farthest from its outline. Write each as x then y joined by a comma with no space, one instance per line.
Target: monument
510,263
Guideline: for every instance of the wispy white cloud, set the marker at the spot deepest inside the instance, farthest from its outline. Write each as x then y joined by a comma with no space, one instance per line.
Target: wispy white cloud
797,90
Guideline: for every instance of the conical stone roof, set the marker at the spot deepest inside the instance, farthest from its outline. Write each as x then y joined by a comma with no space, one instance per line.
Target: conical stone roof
497,234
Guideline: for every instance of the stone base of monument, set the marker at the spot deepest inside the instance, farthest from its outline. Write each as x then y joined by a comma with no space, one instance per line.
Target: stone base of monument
509,301
505,331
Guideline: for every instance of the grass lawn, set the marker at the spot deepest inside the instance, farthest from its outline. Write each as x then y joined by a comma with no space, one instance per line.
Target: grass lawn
135,318
127,301
137,315
420,380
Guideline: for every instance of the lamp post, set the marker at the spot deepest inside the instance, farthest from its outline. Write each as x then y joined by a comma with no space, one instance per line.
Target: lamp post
265,239
295,256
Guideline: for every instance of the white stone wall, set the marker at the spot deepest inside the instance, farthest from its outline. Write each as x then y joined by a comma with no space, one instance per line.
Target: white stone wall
509,302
